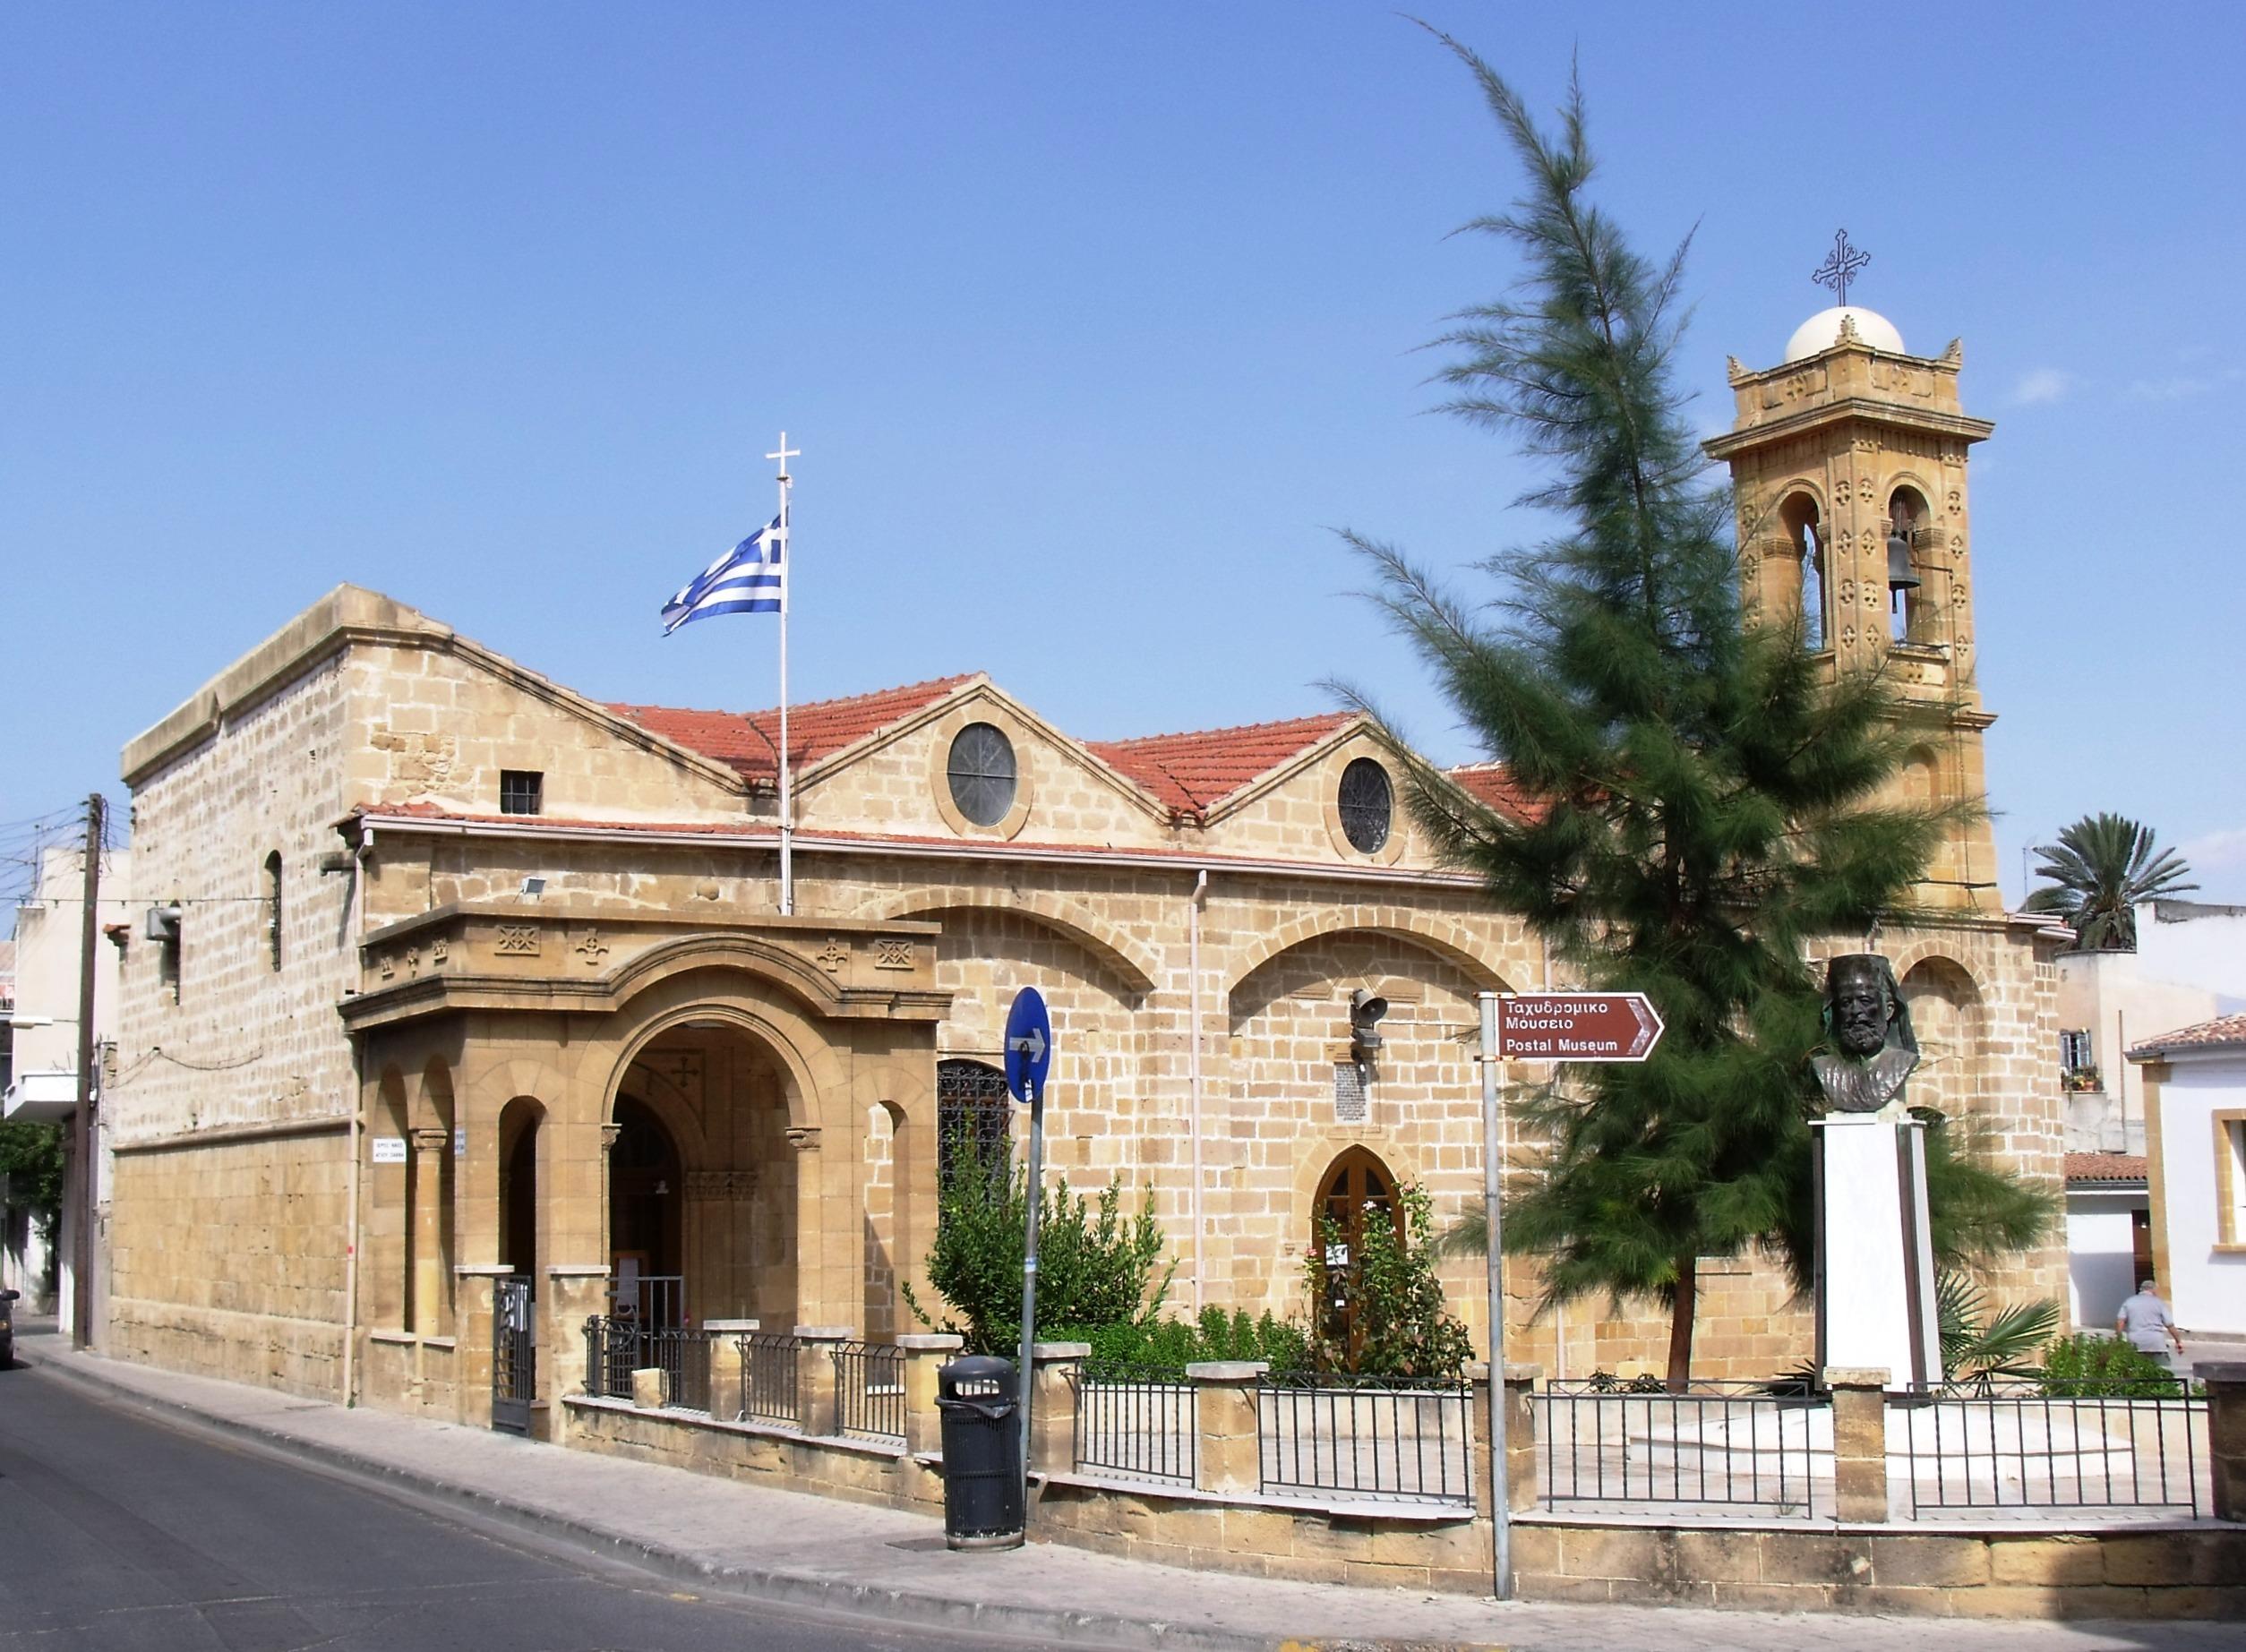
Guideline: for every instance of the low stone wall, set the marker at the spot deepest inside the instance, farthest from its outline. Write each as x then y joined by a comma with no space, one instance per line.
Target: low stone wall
2196,1570
2014,1568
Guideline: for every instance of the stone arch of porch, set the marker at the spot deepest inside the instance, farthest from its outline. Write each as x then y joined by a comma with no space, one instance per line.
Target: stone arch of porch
1453,943
748,955
1133,964
809,1063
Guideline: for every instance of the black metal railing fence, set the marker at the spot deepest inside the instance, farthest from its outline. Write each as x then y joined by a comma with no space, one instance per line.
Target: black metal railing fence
1986,1446
1137,1422
1380,1437
1762,1446
870,1390
769,1363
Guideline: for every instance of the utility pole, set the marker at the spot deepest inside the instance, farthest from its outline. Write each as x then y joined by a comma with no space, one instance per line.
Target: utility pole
82,1173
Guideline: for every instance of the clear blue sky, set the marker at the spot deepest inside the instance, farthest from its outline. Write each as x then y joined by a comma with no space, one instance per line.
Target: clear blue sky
1092,322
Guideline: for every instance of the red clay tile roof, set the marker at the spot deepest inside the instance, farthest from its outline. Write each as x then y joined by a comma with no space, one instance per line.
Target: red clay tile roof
1489,783
2202,1035
1192,773
2105,1166
748,743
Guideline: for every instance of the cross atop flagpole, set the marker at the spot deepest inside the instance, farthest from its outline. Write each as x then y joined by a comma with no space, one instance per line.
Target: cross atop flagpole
787,800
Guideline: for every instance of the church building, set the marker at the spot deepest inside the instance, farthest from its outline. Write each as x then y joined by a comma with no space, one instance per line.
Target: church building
450,975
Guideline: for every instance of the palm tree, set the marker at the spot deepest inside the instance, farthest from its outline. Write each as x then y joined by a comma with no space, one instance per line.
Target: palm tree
2100,868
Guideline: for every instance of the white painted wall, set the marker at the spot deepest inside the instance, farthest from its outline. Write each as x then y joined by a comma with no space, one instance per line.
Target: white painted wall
2206,1286
2122,1001
2195,944
2100,1261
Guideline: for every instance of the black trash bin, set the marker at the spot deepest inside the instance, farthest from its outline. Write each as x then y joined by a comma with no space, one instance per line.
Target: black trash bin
983,1452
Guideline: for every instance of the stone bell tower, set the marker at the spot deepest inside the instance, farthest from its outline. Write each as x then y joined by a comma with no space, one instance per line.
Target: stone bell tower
1849,463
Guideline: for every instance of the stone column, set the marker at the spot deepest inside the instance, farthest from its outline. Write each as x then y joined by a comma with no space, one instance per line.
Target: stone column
429,1148
1229,1455
1859,1442
811,1283
818,1396
924,1357
1053,1368
725,1365
2225,1383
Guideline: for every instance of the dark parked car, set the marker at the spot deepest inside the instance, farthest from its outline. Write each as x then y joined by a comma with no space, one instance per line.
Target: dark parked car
7,1328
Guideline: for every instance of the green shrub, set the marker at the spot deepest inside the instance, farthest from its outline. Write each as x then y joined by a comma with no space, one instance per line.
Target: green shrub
1170,1345
2089,1365
1095,1266
1393,1321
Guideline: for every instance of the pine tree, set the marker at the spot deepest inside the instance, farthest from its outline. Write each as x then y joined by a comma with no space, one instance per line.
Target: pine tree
1706,799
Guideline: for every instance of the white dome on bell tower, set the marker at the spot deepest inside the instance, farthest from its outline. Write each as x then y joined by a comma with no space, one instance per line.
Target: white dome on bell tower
1821,332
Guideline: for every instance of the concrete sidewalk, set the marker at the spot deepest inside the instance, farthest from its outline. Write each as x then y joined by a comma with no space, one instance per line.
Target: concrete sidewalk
801,1550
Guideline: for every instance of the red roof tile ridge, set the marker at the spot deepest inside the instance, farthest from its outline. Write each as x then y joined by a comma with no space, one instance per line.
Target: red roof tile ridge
1329,720
933,686
2102,1167
2200,1034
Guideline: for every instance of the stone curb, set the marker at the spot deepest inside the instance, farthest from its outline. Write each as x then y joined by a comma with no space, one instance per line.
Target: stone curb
762,1583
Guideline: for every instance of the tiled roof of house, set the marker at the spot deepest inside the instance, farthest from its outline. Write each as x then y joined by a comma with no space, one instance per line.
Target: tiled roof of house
748,742
2105,1166
1192,773
2201,1035
1491,784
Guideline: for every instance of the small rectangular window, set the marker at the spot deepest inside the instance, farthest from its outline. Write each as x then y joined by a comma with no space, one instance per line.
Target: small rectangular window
521,792
2230,1179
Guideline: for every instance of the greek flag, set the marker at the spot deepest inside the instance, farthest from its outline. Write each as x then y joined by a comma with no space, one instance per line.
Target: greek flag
749,578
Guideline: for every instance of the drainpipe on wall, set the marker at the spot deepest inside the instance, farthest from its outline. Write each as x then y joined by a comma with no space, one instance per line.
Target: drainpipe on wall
1194,905
352,1233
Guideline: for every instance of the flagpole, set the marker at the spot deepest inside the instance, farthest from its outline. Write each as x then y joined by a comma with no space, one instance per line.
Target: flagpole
787,801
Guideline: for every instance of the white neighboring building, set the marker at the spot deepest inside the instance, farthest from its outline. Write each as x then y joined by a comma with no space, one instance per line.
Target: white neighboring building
2109,1235
43,1084
2195,1127
2190,966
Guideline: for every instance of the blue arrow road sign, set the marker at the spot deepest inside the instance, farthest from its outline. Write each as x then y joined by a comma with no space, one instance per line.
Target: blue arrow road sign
1029,1044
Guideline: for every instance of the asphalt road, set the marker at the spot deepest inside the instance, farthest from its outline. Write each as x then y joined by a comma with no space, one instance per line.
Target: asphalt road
123,1533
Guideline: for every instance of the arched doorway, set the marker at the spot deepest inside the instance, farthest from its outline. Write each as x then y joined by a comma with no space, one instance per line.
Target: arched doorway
518,1124
646,1192
1356,1191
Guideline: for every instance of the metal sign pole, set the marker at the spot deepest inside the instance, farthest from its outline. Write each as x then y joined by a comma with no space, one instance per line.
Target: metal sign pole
1500,1505
1029,1273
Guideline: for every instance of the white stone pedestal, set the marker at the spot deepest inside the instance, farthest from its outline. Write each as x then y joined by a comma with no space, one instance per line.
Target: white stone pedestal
1875,1254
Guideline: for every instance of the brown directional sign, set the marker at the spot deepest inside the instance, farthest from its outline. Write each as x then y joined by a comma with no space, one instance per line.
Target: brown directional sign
1576,1026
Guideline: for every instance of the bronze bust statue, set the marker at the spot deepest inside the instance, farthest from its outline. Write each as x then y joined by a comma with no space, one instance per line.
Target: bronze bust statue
1869,1049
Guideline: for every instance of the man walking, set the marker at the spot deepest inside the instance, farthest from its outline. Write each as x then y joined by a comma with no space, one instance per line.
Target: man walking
2145,1320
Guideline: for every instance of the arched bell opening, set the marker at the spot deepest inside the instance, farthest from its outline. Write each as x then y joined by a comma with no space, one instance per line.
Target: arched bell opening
1801,524
1911,609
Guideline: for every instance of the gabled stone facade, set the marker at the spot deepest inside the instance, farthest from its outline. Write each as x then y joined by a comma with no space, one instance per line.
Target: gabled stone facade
445,1037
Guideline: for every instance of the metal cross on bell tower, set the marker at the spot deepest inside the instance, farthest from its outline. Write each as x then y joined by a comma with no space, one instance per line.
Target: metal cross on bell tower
1841,265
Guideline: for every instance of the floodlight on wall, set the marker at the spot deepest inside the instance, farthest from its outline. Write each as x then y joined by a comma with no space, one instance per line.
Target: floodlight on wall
162,924
533,887
336,861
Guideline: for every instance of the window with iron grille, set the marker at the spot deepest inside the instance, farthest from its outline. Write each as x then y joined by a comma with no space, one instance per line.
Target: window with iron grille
973,1118
521,792
981,772
1367,803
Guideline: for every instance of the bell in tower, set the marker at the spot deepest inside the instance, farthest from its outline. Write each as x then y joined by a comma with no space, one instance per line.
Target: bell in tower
1848,465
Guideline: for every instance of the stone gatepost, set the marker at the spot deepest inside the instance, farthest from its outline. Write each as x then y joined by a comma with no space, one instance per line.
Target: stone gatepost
924,1356
1054,1366
1229,1455
478,1284
1859,1442
725,1365
1522,1489
572,1296
818,1396
2225,1383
